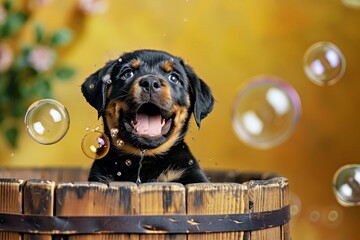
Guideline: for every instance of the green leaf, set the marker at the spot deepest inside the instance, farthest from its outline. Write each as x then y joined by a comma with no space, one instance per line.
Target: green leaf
14,22
22,61
42,89
65,72
11,135
39,32
8,4
61,37
26,91
18,109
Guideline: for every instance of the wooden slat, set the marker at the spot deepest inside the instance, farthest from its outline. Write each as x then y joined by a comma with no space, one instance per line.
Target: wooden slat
10,202
39,200
285,201
96,199
216,198
162,198
266,195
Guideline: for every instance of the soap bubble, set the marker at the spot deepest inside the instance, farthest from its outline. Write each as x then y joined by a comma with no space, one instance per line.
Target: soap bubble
314,216
352,3
346,185
47,121
324,63
266,112
95,145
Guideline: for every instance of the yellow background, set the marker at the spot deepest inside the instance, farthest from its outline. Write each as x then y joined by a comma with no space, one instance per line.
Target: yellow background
227,43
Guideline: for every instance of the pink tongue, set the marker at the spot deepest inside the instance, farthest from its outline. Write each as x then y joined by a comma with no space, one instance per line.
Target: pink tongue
148,125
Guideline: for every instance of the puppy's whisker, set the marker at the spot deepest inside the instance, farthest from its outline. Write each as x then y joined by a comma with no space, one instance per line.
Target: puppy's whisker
121,96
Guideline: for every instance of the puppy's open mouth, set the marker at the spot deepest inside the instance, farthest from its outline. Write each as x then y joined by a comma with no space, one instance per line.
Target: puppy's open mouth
150,122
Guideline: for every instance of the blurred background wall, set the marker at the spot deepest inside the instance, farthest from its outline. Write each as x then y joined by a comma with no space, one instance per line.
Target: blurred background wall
227,43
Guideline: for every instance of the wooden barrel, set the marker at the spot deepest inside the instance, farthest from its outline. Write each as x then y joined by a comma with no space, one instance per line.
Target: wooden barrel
64,206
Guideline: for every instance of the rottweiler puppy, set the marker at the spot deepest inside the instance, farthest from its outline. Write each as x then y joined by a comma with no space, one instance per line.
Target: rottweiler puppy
146,99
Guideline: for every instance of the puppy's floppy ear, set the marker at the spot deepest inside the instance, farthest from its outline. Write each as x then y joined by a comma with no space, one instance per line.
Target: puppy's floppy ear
202,98
95,87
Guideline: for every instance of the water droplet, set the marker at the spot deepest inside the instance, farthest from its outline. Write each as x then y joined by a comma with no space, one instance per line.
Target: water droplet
87,129
106,79
191,162
95,145
324,63
120,142
128,162
346,185
266,112
120,59
114,132
91,86
118,174
97,128
116,163
47,121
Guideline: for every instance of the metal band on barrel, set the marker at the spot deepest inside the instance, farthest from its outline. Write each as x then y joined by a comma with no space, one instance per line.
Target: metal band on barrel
143,224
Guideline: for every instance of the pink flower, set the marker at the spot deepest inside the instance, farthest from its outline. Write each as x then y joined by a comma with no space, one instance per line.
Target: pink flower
41,58
93,6
6,57
2,15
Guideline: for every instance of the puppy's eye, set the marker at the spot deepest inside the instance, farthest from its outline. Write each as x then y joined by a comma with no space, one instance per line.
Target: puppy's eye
127,74
174,78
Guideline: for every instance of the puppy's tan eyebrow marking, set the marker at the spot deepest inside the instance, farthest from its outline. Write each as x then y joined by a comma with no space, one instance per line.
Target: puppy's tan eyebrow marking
167,66
135,63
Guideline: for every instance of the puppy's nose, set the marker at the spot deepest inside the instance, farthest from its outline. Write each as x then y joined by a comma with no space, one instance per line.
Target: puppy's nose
150,85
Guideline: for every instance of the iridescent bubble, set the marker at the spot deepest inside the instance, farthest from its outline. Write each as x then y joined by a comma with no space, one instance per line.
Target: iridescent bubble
346,185
95,145
352,3
324,63
47,121
266,112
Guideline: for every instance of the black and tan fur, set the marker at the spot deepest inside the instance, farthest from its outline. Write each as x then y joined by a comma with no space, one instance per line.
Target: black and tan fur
155,84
